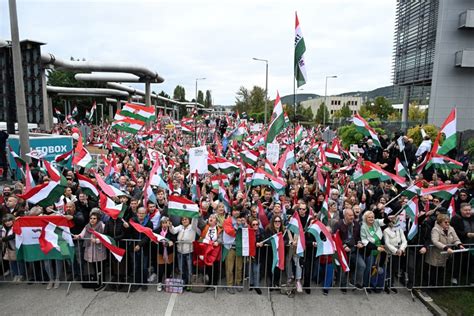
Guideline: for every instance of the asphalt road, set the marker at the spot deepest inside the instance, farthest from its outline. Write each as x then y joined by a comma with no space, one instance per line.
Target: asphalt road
35,300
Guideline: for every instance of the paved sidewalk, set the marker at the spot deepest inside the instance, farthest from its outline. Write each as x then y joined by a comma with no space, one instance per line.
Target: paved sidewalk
35,300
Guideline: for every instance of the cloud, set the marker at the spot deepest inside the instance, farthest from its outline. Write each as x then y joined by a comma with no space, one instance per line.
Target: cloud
184,40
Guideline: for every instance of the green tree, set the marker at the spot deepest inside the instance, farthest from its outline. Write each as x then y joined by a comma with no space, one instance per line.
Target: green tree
208,99
163,102
350,135
416,114
322,114
382,108
303,114
346,111
251,101
179,93
415,133
200,97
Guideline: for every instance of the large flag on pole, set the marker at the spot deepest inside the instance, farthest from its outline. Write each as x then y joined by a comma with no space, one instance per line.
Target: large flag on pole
300,48
364,127
449,130
277,123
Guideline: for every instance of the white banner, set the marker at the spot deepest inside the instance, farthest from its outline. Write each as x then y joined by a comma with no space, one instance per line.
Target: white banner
273,152
198,159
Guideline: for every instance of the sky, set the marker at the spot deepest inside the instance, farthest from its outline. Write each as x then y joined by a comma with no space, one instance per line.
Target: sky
184,39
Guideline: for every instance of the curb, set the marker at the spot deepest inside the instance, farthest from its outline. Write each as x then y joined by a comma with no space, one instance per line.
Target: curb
429,303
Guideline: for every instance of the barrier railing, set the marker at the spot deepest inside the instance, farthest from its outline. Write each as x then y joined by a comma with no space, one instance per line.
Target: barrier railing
177,267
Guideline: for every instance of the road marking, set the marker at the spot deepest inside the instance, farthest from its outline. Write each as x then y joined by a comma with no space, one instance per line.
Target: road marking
169,308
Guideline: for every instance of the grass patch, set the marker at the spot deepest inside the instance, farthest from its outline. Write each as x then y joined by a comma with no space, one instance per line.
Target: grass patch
458,302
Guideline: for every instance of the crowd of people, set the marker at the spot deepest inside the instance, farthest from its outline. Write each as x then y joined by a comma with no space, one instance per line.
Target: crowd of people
383,245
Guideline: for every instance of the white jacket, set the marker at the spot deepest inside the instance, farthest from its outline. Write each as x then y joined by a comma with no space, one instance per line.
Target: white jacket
186,236
394,240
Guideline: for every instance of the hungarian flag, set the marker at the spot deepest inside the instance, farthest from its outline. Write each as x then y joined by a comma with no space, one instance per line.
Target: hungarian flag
128,125
445,191
83,158
277,122
261,215
364,127
180,206
326,246
64,159
119,148
250,157
452,208
295,226
412,191
222,164
74,111
287,159
341,253
110,190
138,112
147,231
45,194
412,211
270,168
400,169
278,249
373,171
109,207
187,129
216,180
325,210
299,134
332,156
53,173
449,130
87,185
91,113
110,244
239,132
19,162
224,197
442,162
300,49
29,182
206,253
245,242
43,238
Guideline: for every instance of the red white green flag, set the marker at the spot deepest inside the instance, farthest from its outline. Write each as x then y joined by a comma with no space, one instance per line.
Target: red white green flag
400,169
222,164
250,157
110,244
43,238
452,208
245,242
139,112
87,185
278,248
445,191
128,125
325,247
45,194
442,162
108,206
295,226
449,130
364,127
277,123
412,211
342,259
300,49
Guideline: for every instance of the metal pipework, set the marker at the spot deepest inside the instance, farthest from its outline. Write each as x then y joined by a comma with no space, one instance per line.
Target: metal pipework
87,91
90,66
108,77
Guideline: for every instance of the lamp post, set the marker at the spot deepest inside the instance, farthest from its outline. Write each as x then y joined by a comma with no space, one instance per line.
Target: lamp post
195,108
326,98
266,85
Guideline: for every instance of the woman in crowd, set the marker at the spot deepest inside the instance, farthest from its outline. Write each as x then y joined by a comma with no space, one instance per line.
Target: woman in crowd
395,246
445,241
94,252
165,251
7,240
275,226
255,262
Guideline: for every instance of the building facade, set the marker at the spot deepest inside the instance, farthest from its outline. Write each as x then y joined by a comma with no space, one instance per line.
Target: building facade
334,103
434,49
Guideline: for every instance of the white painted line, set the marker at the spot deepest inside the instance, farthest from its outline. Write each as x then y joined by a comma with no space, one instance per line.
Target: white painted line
169,308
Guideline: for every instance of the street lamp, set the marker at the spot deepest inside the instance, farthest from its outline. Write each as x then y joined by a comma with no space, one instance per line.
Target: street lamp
195,108
266,85
326,98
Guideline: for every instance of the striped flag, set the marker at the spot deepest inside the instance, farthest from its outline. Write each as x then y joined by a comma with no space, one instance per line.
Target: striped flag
277,122
110,244
452,208
138,112
119,148
278,248
128,125
449,130
222,164
444,192
287,159
250,157
180,206
156,238
108,206
45,194
442,162
87,185
364,127
412,211
400,170
341,253
295,226
64,159
325,247
300,49
261,215
245,242
110,190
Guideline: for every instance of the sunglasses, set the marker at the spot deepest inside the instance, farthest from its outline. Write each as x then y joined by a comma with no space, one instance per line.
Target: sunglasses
255,224
277,221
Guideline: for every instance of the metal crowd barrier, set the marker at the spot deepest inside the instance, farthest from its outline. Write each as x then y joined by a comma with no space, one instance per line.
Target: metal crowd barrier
152,267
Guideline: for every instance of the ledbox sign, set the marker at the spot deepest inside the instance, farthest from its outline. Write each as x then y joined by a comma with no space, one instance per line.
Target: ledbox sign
49,145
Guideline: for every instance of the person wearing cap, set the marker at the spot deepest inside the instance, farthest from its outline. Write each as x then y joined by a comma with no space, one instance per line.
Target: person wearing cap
233,263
